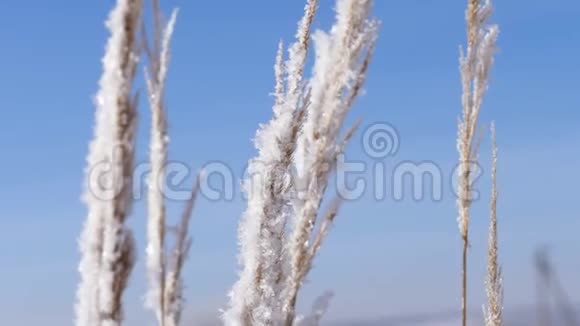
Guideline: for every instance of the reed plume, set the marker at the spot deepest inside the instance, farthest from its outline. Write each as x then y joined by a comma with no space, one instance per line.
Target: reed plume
494,288
274,263
475,65
342,60
159,55
254,299
164,295
106,244
173,292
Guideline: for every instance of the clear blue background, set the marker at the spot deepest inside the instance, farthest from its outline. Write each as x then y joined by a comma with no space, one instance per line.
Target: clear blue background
382,258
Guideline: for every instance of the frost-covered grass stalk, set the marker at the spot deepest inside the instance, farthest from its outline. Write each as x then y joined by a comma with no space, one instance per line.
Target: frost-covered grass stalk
164,295
255,298
308,117
107,246
156,223
173,292
494,289
475,65
342,60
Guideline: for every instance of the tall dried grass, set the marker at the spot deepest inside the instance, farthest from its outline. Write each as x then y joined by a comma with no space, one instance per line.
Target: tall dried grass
165,295
494,289
303,136
475,64
254,297
284,226
107,246
158,55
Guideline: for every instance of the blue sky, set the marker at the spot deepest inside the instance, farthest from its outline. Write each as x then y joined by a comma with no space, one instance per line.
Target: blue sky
382,258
